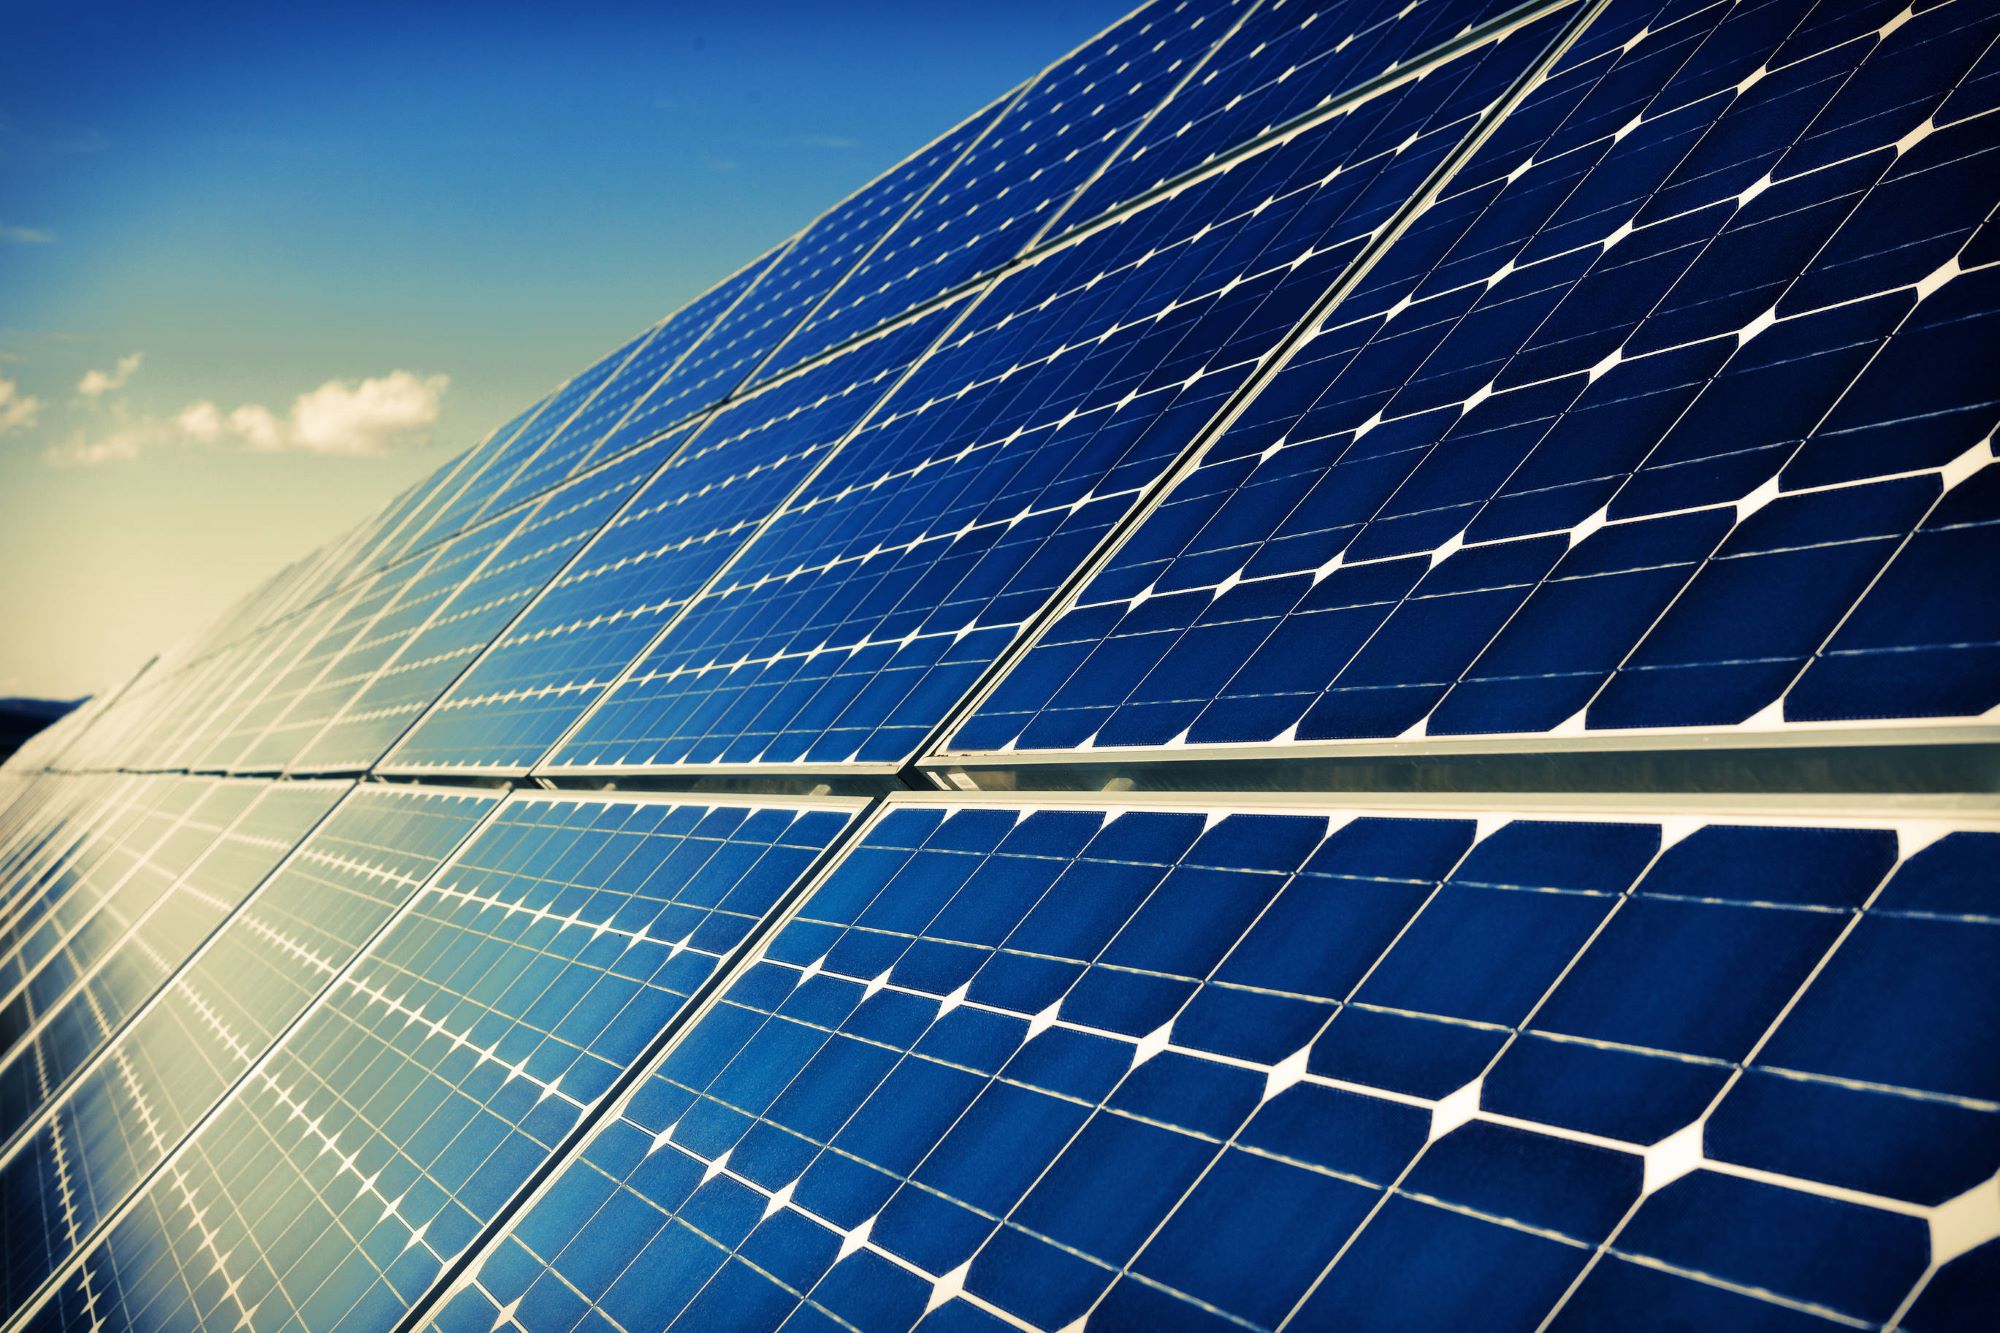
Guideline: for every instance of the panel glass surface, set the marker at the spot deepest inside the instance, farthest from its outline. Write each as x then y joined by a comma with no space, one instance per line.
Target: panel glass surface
1288,59
1211,1068
689,521
1013,183
143,1092
877,597
480,607
108,982
584,434
1668,415
449,1062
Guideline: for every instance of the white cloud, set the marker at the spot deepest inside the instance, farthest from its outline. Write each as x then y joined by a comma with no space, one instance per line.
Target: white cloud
200,422
17,410
116,447
97,383
353,417
366,418
26,236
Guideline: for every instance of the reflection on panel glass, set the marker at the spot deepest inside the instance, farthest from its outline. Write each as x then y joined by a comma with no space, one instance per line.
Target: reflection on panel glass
1198,1068
444,1067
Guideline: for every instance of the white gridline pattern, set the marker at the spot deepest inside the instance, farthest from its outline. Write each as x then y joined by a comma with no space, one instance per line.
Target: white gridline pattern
805,952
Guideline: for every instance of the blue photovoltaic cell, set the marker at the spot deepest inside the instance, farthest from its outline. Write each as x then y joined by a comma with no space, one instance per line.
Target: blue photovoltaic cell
163,1073
485,469
395,609
879,594
608,422
107,982
518,700
480,607
1617,436
445,1066
751,340
1288,58
1016,179
1199,1069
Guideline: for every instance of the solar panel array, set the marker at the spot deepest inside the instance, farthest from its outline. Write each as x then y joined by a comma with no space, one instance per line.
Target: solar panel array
1332,668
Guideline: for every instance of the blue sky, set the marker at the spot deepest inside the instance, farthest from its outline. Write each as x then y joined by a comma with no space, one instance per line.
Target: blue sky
210,211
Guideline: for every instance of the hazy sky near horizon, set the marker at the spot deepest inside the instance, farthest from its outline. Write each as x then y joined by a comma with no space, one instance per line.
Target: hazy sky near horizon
261,266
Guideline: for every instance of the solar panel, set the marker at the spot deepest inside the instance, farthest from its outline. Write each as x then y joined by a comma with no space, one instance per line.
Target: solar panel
566,434
828,250
84,926
447,1065
691,519
109,970
476,610
1286,60
393,609
258,680
877,596
1329,669
1602,444
1013,182
1199,1065
105,1130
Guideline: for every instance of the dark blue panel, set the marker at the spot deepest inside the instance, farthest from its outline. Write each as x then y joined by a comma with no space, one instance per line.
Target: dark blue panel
1794,1245
1287,59
878,1139
1555,463
648,394
878,595
1016,180
742,344
685,525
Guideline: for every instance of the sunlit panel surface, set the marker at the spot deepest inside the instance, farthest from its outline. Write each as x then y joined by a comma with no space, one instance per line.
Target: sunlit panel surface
1202,1067
1335,667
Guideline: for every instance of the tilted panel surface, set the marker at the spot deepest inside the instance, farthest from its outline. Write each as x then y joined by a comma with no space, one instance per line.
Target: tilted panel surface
518,700
110,986
1213,1068
1287,59
874,601
402,601
478,609
446,1065
749,341
88,926
115,1124
1670,414
1016,180
580,432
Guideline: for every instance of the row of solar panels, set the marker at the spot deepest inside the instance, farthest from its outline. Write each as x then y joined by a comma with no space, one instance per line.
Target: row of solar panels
1619,374
629,1061
1264,380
